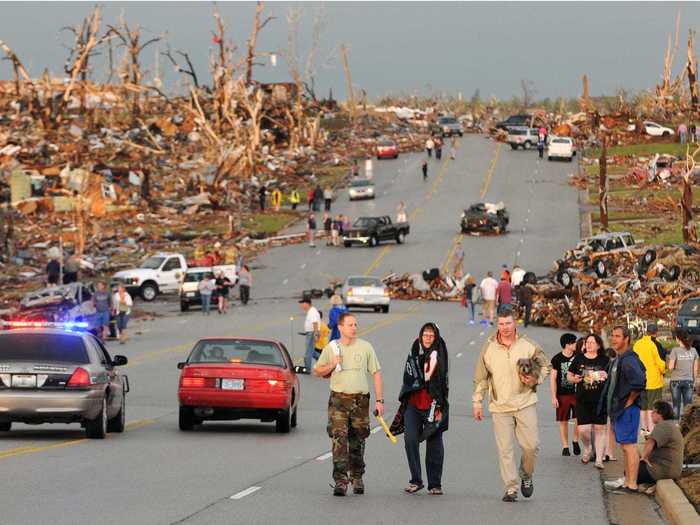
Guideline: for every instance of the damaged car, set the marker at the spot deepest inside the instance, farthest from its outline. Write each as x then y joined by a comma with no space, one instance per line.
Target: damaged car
485,217
59,304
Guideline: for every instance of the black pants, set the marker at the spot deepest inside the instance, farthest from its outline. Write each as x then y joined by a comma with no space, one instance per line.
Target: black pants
245,293
541,152
438,154
644,477
327,204
294,205
70,277
528,310
414,420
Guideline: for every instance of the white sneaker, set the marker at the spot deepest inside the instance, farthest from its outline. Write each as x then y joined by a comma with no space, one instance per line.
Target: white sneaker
614,484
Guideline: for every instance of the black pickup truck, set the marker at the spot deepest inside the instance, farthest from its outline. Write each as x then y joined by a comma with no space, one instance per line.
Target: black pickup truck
370,231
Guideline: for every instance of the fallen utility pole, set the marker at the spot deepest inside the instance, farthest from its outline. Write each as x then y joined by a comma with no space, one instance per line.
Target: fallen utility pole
348,79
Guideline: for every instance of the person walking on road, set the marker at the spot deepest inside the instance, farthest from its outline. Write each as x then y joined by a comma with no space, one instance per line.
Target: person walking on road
469,286
488,288
683,132
71,270
318,197
327,198
424,168
262,192
401,213
525,295
102,301
512,400
323,336
122,303
245,282
425,407
540,146
438,149
276,199
327,227
429,145
336,226
355,169
206,288
563,393
504,292
53,271
337,308
312,331
588,373
655,367
310,199
311,229
683,364
623,388
223,285
347,361
294,199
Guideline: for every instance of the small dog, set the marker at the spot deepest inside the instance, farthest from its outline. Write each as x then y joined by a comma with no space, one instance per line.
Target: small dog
529,367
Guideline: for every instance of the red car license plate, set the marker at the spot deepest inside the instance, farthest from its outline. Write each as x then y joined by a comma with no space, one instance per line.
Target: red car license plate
232,384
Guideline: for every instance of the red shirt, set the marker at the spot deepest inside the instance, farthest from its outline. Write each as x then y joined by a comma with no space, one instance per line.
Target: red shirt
504,292
420,399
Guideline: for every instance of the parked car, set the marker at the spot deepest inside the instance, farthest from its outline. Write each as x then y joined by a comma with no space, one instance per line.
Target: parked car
162,273
387,149
688,317
521,120
365,292
519,136
361,189
189,290
64,303
449,126
230,378
485,217
55,373
653,129
370,231
603,242
561,148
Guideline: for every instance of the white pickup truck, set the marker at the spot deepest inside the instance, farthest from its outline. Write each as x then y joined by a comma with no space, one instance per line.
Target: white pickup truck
162,273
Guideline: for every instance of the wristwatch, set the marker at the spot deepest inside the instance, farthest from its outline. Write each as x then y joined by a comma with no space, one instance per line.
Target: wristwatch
380,401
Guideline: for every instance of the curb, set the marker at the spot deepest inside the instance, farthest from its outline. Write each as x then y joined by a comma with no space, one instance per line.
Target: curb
676,507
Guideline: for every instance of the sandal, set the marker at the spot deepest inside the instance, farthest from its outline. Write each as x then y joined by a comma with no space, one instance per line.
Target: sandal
435,491
585,458
413,488
608,458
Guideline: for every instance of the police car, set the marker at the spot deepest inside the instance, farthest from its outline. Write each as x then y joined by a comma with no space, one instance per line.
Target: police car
60,373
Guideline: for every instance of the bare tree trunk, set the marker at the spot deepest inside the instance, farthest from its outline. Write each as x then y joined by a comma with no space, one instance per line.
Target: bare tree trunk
689,229
348,80
585,97
603,184
253,42
692,70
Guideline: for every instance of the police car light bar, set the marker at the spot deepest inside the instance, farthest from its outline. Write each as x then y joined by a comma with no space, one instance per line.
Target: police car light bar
70,325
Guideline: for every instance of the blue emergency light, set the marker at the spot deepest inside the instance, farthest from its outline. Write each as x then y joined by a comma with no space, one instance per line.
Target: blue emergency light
68,325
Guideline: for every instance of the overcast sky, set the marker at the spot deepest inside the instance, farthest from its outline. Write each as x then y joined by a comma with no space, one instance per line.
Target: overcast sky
400,46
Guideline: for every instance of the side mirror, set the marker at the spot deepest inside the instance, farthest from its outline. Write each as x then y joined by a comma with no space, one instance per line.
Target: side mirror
302,370
180,366
119,360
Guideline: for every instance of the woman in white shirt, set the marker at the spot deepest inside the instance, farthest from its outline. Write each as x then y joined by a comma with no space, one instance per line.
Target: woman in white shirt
122,303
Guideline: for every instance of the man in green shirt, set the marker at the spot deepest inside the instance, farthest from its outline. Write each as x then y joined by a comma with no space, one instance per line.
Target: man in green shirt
347,361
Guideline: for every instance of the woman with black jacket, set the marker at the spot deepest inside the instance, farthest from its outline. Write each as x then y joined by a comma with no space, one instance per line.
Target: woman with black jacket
424,407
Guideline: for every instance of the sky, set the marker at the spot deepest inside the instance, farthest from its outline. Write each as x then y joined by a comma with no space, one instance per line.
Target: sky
420,48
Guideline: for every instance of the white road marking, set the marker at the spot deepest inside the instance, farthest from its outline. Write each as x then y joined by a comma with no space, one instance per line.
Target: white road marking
325,456
517,254
528,210
527,219
522,241
472,342
246,492
285,281
459,354
303,266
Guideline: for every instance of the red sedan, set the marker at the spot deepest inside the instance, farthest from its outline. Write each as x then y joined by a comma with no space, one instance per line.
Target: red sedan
387,149
227,378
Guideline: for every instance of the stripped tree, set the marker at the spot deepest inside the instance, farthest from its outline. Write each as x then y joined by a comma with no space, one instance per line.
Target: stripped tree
258,25
689,229
692,71
603,183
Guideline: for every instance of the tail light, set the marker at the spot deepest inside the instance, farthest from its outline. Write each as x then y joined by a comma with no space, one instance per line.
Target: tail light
79,379
386,292
277,383
349,291
198,382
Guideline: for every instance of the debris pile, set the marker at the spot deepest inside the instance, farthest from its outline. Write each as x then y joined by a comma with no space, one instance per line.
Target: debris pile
428,286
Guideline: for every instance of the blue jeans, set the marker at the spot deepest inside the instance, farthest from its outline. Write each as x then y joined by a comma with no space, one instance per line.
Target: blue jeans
206,303
470,308
681,395
309,355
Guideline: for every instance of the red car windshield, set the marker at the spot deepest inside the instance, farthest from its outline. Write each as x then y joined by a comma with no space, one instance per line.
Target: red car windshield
237,351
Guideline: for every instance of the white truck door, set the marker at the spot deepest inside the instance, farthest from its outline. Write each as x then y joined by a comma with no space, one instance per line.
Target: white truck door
170,275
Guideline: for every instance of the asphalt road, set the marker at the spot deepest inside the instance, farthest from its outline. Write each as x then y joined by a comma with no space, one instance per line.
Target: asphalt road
243,472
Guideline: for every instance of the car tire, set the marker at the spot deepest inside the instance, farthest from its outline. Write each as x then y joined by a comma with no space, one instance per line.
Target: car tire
549,158
118,422
295,418
601,268
373,241
283,422
347,244
565,279
514,146
400,238
6,427
665,134
148,291
184,306
185,419
674,272
97,428
527,144
396,156
649,256
385,309
461,134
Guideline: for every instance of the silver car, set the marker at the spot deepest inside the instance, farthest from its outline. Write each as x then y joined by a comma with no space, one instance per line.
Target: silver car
52,375
366,292
361,189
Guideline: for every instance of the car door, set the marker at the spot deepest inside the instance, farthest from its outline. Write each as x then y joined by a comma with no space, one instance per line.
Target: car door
385,229
116,386
170,274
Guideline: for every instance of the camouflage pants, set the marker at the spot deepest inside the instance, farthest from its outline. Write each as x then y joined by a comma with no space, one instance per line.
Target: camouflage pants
348,427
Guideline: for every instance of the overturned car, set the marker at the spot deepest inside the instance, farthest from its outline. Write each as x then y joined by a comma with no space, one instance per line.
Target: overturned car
485,217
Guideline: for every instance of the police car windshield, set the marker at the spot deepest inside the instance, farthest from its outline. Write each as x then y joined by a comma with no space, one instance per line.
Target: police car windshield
231,351
152,263
43,348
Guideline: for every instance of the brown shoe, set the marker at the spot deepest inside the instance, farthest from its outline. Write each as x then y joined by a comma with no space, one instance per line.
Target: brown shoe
340,489
358,486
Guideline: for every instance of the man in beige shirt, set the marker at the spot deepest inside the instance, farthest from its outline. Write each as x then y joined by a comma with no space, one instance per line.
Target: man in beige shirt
512,400
347,361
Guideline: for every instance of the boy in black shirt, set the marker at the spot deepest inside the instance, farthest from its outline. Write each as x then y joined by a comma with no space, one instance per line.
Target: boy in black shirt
564,393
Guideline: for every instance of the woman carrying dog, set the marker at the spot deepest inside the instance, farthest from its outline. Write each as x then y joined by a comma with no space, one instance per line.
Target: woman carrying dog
424,407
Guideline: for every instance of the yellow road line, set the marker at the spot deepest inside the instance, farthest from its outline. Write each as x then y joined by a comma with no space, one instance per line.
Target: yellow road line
489,174
394,318
450,253
378,259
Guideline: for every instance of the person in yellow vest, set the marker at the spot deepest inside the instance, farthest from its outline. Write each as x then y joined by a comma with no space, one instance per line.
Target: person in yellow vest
295,199
276,199
648,354
323,334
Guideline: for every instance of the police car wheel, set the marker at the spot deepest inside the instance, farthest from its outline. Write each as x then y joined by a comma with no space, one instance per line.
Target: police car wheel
118,422
97,428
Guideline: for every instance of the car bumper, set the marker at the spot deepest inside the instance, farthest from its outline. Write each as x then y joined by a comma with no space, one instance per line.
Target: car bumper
364,195
356,240
367,300
560,155
219,399
387,154
49,407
